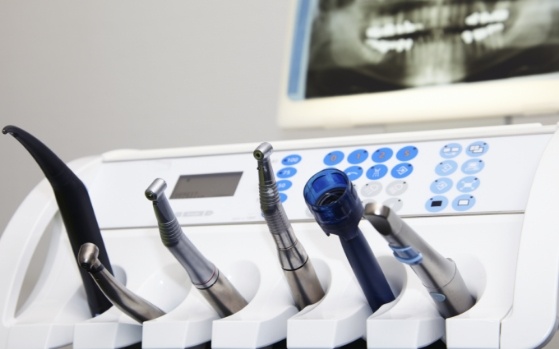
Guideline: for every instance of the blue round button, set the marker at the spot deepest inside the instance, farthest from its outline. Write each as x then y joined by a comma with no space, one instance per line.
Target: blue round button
291,160
441,185
468,184
284,184
436,204
473,166
353,172
358,156
450,150
382,155
333,158
402,170
287,172
446,168
377,172
283,197
407,153
463,202
477,148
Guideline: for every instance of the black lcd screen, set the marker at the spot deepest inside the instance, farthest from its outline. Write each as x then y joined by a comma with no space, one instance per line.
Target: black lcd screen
206,185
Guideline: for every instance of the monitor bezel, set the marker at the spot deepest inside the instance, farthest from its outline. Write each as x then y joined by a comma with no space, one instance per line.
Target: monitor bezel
519,96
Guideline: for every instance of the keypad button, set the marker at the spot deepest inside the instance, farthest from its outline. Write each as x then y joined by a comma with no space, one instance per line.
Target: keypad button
395,204
377,172
451,150
396,188
353,172
382,155
463,202
402,170
283,185
333,158
357,156
446,168
473,166
477,149
287,172
407,153
468,184
441,185
291,160
436,204
371,189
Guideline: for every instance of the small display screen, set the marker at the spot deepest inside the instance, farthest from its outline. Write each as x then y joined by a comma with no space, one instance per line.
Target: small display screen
206,185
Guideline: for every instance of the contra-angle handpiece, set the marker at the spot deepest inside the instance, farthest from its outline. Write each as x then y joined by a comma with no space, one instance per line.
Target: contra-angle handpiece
75,208
438,274
297,267
204,275
131,304
332,200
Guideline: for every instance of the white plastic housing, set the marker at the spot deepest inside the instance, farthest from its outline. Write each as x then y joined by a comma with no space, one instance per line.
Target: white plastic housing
498,229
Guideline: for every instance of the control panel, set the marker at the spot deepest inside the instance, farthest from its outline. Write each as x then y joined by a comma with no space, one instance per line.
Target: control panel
469,175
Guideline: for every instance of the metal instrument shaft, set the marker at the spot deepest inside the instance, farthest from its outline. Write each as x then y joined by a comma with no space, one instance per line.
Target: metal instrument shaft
294,260
438,274
128,302
204,275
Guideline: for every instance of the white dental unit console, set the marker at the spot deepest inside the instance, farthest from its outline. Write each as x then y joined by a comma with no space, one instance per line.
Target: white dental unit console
488,198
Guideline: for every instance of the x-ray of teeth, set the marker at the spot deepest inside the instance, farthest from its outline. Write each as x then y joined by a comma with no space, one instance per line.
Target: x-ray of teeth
363,46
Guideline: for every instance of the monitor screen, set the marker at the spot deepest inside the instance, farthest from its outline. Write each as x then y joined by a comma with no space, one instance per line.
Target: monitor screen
356,62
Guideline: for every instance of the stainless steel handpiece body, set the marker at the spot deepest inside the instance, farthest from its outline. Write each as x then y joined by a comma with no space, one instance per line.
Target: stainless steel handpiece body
128,302
438,274
298,269
204,275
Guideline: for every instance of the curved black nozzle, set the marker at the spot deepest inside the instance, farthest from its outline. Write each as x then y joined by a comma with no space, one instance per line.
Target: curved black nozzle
75,208
334,203
50,164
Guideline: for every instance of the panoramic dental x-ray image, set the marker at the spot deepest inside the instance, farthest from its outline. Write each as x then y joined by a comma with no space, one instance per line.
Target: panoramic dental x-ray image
363,46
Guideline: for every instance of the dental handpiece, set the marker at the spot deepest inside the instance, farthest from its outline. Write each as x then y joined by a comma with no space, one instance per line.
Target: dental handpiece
128,302
332,200
75,208
438,274
204,275
300,274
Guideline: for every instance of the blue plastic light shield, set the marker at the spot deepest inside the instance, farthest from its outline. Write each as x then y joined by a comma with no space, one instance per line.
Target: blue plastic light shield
332,200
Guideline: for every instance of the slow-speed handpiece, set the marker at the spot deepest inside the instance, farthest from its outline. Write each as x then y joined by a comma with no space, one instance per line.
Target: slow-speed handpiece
438,274
332,200
204,275
128,302
75,208
297,267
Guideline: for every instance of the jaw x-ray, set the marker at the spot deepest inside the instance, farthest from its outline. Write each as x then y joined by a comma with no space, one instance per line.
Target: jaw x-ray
367,46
